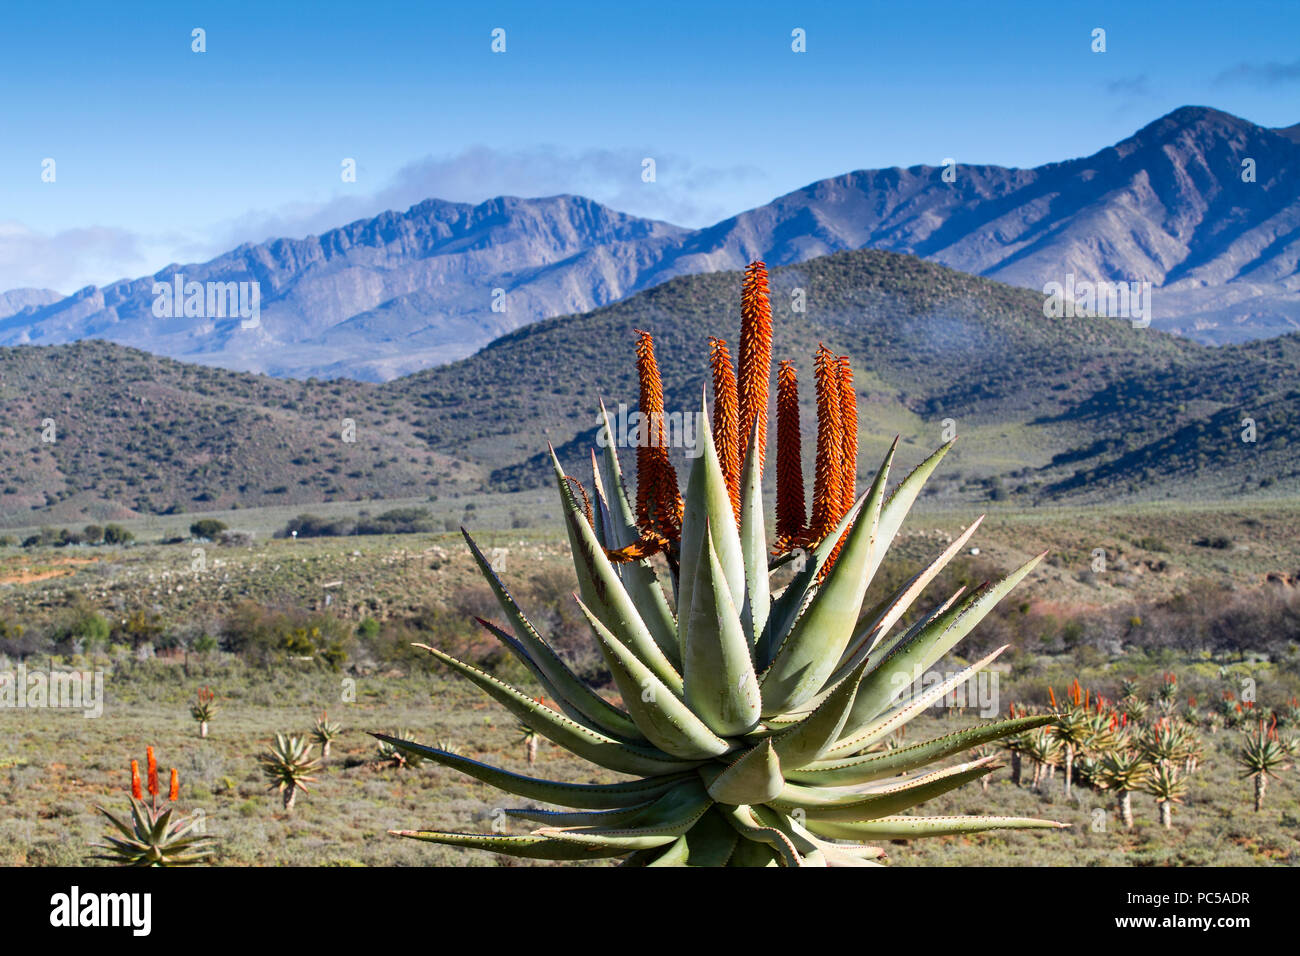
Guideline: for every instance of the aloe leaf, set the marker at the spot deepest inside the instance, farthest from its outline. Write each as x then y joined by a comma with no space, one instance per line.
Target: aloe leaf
846,805
604,593
802,587
598,748
753,543
815,734
876,729
749,853
910,658
900,502
638,576
600,510
664,719
818,637
675,854
909,827
707,512
721,687
754,778
588,796
528,847
747,824
878,625
669,817
711,842
617,724
616,817
851,771
570,692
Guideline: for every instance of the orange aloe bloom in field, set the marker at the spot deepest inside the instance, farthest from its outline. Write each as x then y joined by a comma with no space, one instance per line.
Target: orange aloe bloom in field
174,788
135,780
755,358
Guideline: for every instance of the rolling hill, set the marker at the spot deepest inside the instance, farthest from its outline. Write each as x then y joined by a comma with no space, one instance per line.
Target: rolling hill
1049,410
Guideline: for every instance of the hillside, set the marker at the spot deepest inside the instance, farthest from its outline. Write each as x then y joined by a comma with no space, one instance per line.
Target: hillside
1048,409
404,291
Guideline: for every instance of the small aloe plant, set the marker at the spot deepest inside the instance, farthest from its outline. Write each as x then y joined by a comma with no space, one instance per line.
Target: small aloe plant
398,757
287,765
152,837
1262,756
1122,772
324,731
203,710
1168,786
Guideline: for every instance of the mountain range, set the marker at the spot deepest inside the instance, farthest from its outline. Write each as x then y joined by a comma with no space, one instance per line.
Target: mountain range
1202,204
1075,409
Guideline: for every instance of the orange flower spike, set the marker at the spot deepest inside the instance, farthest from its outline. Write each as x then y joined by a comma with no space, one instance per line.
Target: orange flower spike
153,772
658,501
791,514
849,436
1051,695
135,780
755,357
174,788
827,497
726,419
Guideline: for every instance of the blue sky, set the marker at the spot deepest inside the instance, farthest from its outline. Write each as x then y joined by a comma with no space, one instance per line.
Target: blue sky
163,154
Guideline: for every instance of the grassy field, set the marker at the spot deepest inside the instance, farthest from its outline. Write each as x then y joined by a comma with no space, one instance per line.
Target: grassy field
59,765
56,765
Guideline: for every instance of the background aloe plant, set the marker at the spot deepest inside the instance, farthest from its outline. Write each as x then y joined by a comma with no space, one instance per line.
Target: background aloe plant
152,837
1262,755
204,709
751,718
324,732
287,764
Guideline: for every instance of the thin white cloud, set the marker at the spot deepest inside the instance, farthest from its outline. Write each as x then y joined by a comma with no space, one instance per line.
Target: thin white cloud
612,177
1260,74
72,259
68,260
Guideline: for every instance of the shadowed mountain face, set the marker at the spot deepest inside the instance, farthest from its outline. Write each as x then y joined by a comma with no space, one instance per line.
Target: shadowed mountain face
1074,409
1203,205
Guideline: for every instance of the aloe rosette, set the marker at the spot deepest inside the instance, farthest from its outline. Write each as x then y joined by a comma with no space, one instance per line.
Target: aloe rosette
753,720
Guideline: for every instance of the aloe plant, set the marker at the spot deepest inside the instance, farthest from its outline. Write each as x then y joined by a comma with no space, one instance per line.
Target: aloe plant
1073,730
1262,755
153,836
324,732
1122,772
399,757
204,709
748,717
1168,786
287,764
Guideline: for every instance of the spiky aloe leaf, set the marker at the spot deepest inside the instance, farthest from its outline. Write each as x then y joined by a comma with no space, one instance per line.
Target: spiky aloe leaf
603,591
527,847
667,818
753,544
665,720
592,711
589,796
856,739
807,740
908,660
808,655
909,827
638,576
707,514
821,804
851,771
554,726
753,778
720,683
